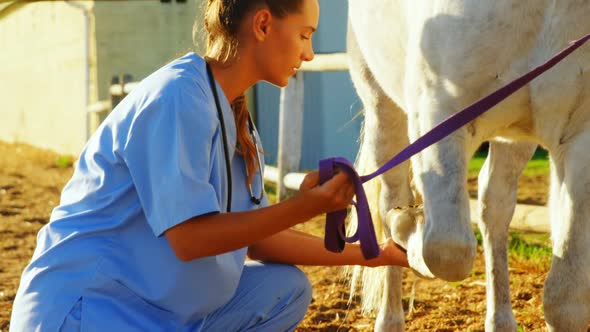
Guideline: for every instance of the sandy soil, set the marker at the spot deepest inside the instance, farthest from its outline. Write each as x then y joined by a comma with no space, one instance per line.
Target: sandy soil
30,185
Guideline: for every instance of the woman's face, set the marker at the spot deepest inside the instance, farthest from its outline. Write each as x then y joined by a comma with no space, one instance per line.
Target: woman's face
288,44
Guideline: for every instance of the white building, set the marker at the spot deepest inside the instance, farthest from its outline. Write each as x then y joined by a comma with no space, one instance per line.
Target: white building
57,57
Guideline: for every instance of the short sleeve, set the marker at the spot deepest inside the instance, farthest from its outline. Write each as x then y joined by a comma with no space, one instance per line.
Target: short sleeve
169,153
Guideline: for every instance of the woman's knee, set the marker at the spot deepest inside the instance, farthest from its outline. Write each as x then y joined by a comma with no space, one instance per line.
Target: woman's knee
290,279
300,282
296,294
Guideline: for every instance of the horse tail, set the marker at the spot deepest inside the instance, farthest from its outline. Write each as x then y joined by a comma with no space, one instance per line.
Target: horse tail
367,282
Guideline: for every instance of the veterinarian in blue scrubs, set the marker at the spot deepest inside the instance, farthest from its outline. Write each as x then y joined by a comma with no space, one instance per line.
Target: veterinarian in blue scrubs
166,200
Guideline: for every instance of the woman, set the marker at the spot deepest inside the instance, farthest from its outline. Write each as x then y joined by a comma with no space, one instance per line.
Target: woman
150,235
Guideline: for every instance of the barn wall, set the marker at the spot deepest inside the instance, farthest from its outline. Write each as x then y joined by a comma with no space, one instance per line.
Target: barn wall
43,62
138,37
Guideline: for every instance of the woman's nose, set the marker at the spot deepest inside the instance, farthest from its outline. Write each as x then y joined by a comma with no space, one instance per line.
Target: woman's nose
308,53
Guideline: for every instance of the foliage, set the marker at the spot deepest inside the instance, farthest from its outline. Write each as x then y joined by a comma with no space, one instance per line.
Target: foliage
271,191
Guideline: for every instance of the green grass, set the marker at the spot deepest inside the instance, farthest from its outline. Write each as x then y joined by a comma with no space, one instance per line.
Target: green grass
63,161
532,247
524,248
538,165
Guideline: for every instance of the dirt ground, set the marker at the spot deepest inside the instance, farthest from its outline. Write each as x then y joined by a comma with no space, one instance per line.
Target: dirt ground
30,185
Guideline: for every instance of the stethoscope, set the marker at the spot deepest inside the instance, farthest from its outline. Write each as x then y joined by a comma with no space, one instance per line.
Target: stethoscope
253,198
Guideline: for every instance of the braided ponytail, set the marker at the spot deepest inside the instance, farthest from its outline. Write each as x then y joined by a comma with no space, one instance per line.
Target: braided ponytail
246,146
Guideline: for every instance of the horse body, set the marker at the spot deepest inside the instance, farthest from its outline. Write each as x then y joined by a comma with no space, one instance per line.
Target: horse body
416,63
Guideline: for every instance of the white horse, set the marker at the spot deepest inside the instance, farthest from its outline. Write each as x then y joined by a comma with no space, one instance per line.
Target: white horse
413,64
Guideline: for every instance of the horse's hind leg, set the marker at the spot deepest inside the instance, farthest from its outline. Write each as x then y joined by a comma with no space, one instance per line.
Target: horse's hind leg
498,180
566,299
384,134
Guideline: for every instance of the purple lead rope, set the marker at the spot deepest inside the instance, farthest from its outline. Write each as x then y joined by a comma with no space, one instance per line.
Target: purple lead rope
335,236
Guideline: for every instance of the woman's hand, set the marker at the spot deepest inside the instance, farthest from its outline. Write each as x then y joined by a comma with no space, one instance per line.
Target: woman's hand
335,194
391,254
310,180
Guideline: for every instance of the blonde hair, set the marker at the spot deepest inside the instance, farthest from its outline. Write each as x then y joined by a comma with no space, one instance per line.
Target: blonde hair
222,22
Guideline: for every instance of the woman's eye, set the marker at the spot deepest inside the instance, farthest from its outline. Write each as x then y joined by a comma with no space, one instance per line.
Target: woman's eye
304,37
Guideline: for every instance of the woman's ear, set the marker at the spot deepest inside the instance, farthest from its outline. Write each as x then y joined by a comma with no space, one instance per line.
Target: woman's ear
261,24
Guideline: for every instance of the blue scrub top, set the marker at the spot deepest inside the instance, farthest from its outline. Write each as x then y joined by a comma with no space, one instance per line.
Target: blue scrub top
156,161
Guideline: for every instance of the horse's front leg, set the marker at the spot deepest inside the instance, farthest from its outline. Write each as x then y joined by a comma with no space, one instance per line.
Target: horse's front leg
566,298
498,180
391,314
384,134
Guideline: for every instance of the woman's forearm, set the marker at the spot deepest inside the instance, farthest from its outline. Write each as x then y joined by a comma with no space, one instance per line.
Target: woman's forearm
223,232
293,247
215,234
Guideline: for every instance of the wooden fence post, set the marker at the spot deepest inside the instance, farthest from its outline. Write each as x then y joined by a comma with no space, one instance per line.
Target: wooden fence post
115,96
290,131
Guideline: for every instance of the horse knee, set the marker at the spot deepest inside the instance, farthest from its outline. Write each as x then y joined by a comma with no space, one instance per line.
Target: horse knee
566,317
566,301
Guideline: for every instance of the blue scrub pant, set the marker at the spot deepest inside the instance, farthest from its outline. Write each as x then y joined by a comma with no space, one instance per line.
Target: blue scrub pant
269,297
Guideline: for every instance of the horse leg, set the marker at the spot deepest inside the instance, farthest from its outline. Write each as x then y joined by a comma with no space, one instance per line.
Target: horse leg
566,299
498,180
384,134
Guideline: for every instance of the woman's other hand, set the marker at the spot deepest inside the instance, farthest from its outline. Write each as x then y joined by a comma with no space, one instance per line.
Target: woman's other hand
391,254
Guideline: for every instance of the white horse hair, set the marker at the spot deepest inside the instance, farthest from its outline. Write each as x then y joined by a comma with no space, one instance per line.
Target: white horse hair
414,63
